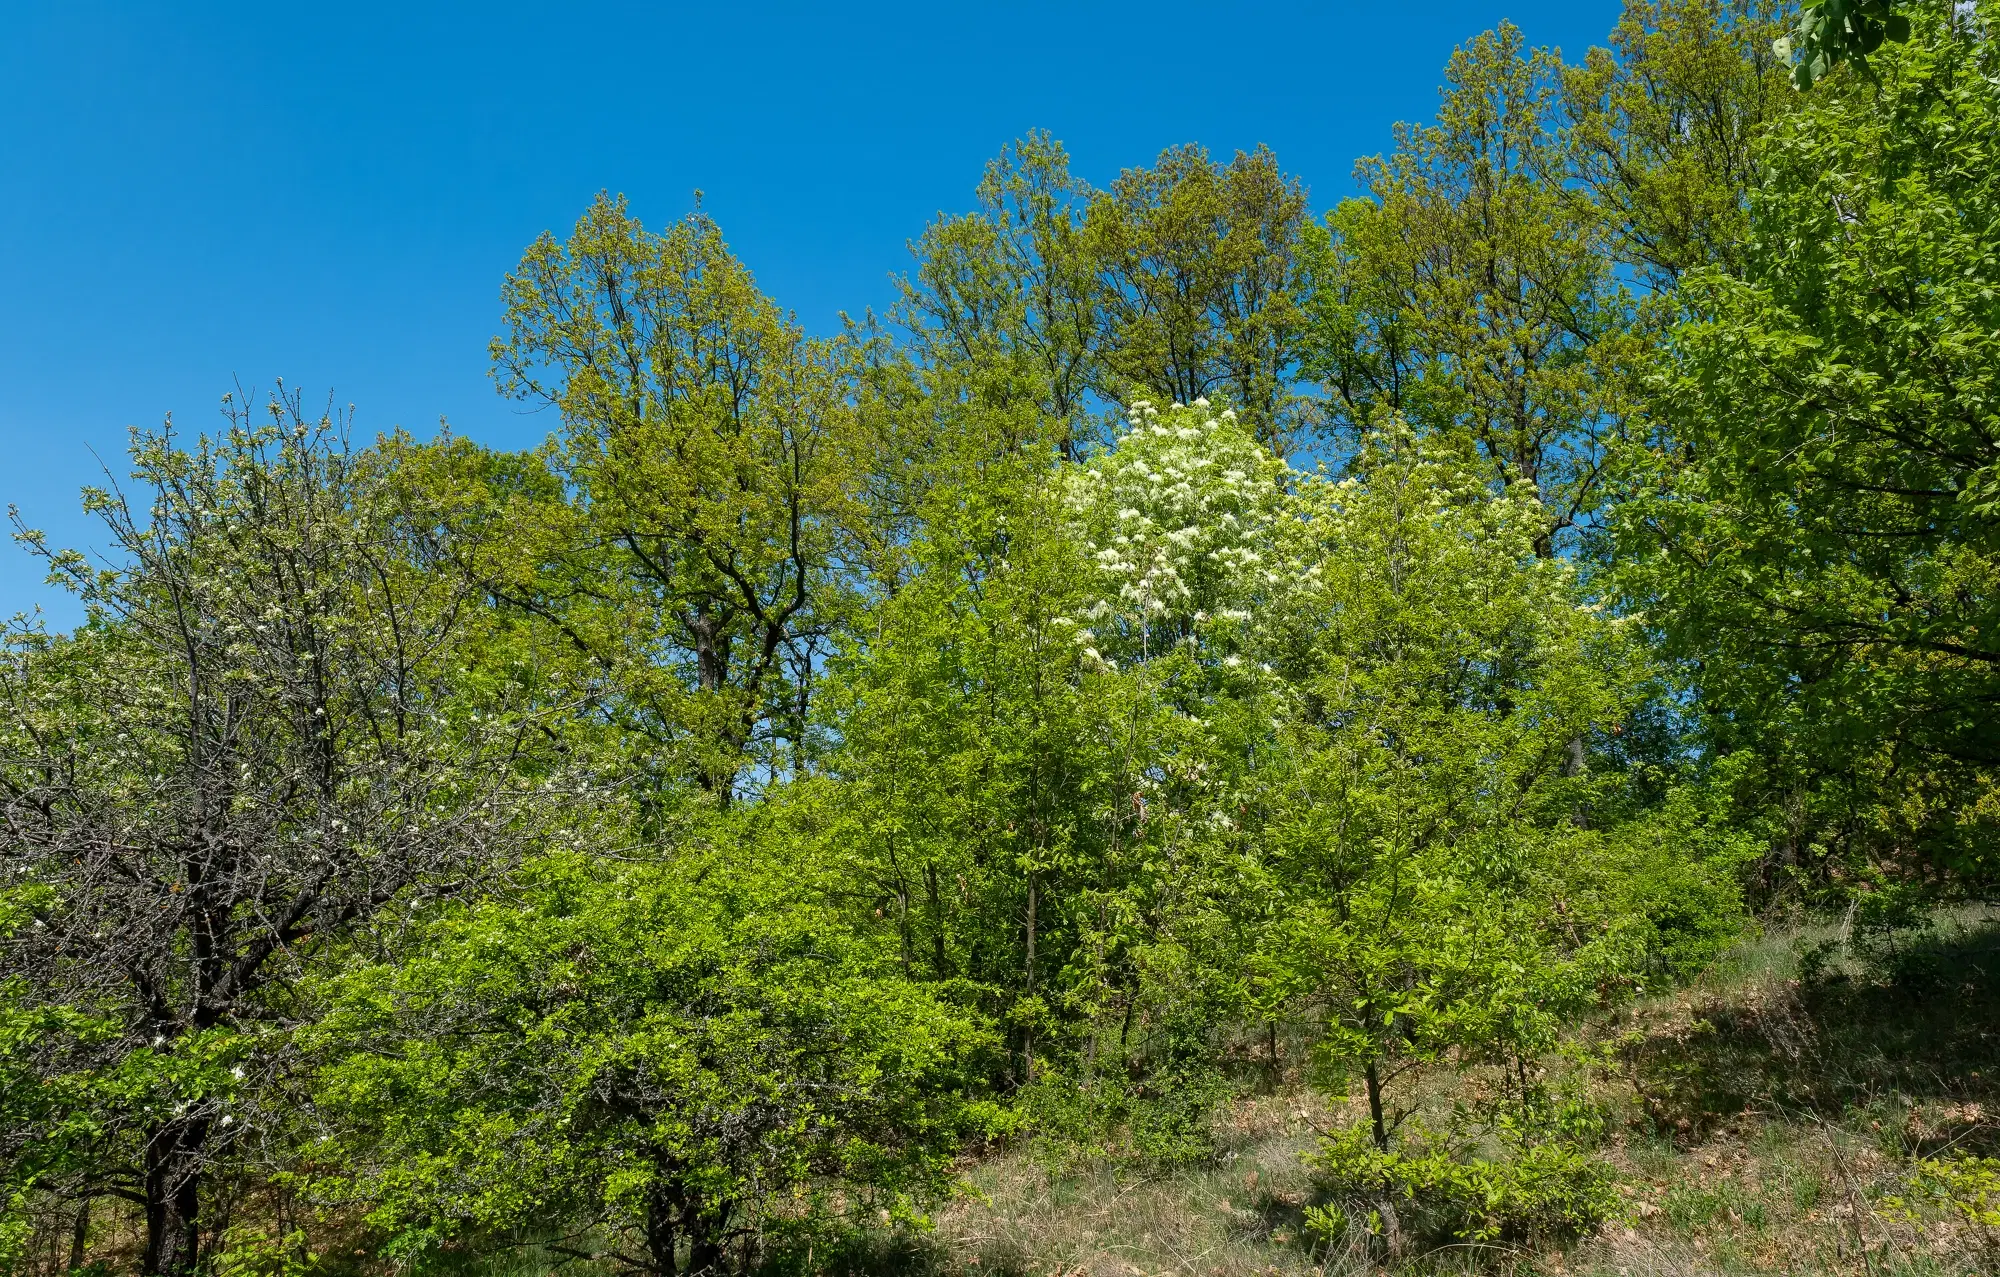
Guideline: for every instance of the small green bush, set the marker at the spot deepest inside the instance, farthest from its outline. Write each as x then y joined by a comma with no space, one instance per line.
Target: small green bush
1430,1196
1163,1121
1966,1189
248,1253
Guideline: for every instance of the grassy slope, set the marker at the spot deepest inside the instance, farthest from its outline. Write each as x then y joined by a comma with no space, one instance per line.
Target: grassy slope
1767,1119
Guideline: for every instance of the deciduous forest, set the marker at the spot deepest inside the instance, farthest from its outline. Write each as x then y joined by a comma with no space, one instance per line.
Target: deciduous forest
1458,731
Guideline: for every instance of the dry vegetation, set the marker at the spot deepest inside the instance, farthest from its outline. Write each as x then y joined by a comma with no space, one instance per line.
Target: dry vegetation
1239,1215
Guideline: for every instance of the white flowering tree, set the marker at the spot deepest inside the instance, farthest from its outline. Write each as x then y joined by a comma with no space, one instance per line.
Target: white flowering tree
1178,518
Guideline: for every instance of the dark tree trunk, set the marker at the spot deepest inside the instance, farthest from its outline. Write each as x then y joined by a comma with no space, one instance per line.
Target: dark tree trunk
708,1229
173,1199
1374,1080
79,1236
662,1239
1028,976
940,965
705,1256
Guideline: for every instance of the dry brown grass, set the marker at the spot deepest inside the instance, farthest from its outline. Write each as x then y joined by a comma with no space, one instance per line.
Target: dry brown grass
1237,1217
1770,1196
1756,1196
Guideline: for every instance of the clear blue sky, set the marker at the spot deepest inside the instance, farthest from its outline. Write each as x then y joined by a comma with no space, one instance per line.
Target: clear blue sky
193,194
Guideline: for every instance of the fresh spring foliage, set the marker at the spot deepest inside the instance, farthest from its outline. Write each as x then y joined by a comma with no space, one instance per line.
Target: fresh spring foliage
645,1058
1432,1196
1817,516
1192,645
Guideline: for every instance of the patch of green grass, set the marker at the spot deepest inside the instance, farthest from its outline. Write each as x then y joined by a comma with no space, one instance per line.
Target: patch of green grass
1694,1207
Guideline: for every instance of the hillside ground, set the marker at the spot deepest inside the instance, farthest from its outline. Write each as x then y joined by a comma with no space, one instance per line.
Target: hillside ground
1767,1120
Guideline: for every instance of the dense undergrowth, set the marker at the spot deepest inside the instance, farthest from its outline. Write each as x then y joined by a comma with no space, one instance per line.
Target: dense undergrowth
1797,1109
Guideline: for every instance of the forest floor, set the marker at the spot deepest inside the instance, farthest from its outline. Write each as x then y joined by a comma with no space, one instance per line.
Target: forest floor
1773,1110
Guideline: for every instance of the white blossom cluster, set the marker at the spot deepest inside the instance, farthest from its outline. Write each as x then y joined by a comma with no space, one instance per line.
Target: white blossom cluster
1178,518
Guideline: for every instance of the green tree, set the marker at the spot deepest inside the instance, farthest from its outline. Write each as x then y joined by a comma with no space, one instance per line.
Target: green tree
262,738
692,538
1029,786
1433,800
656,1063
1199,265
1004,301
1181,279
1664,131
1473,295
975,749
1818,536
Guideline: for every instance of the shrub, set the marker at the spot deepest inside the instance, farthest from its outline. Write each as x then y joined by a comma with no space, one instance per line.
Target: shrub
1431,1195
1966,1188
1163,1120
686,1058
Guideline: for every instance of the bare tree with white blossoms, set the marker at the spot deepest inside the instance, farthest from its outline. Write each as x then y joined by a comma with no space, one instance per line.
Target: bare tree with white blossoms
276,727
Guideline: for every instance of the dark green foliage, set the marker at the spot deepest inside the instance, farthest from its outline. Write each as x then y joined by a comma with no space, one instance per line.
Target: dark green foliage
1831,32
1815,534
